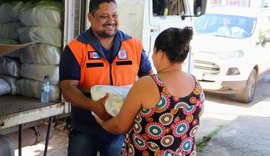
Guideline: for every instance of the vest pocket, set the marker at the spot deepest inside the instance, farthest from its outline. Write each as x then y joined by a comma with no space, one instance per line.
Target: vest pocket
119,63
90,65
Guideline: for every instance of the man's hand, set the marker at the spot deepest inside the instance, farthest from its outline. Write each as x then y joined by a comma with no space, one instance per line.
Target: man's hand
100,110
99,121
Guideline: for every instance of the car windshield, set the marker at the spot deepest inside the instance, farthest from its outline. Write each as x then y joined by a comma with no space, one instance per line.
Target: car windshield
225,25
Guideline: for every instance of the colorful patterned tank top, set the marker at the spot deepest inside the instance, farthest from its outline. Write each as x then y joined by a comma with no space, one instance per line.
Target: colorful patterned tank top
169,128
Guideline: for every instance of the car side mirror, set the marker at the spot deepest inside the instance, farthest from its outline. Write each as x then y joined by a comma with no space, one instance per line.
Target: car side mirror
199,7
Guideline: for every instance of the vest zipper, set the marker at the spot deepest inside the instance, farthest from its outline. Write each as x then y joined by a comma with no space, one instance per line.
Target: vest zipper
111,78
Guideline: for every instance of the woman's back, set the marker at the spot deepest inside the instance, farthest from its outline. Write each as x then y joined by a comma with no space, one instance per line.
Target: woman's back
178,83
171,125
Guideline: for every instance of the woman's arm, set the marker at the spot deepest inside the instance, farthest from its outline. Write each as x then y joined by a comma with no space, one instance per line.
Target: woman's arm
140,93
73,95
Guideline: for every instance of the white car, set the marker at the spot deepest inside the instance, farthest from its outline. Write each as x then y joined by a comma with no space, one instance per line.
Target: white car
231,50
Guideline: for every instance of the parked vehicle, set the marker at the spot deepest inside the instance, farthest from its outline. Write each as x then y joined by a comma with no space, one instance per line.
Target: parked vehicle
231,49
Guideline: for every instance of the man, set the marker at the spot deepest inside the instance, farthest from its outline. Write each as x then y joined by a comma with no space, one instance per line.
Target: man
101,55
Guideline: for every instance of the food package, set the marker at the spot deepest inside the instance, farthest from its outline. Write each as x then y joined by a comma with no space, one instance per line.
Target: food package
10,66
37,72
40,54
12,83
48,35
8,41
43,13
8,30
117,95
32,88
4,87
9,11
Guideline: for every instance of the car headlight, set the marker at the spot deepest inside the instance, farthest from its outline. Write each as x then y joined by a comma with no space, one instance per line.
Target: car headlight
230,55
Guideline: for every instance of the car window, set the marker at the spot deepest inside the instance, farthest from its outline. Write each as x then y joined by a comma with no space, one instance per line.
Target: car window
225,25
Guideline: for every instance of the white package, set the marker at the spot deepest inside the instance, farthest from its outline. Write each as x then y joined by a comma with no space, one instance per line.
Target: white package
37,72
8,30
47,35
117,95
32,88
8,41
40,54
12,83
9,11
4,87
10,66
43,13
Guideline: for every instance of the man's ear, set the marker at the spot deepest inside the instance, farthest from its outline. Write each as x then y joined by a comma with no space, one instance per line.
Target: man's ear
89,16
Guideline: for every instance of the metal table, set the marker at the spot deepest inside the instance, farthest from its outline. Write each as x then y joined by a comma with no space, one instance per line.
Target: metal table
18,110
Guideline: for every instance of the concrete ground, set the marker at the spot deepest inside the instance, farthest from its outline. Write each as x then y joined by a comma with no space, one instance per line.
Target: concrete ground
245,136
57,146
244,131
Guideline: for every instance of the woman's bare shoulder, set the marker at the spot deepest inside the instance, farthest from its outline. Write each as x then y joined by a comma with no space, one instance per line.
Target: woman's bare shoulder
147,90
145,81
143,86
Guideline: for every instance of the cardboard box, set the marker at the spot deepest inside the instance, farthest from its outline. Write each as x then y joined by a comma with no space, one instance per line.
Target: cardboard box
9,48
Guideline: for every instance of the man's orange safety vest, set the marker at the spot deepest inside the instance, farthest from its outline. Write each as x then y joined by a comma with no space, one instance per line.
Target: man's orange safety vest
96,70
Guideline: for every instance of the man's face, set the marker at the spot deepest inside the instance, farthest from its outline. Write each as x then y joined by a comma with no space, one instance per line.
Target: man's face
104,22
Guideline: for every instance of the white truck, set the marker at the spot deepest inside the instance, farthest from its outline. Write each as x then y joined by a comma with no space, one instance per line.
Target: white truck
144,19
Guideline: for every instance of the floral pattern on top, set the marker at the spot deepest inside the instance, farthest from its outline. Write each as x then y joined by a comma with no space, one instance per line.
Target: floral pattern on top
169,128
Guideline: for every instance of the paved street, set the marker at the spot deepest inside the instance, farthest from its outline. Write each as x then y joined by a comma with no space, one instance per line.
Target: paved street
244,136
245,127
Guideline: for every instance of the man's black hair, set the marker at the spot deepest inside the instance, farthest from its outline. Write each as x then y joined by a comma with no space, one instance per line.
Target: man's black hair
94,5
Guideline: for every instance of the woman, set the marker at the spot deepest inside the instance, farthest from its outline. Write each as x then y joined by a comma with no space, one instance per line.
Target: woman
161,113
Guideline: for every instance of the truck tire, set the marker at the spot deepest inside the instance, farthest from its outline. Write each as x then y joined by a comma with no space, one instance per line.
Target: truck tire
247,95
6,146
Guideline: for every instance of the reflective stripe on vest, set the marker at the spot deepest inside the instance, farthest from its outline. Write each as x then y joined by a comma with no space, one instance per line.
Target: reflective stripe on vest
96,70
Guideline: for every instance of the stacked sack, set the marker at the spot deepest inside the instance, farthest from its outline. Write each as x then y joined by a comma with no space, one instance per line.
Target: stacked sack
41,24
9,64
9,22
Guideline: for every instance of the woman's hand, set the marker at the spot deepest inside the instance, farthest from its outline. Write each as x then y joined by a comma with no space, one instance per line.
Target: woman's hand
100,110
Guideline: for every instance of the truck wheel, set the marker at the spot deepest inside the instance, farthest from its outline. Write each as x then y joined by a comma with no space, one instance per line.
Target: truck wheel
247,94
6,146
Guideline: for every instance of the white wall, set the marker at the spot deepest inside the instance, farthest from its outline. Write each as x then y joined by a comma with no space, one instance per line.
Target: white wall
131,16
